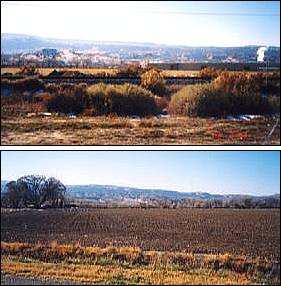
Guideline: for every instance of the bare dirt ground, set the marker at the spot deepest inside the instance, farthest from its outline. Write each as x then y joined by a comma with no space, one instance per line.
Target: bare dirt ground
56,130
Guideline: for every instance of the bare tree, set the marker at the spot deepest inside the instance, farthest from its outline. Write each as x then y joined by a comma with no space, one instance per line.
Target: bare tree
13,197
33,187
55,192
34,190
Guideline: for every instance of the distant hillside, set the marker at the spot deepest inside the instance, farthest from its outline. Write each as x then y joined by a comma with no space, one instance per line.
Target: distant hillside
18,43
109,195
107,192
135,196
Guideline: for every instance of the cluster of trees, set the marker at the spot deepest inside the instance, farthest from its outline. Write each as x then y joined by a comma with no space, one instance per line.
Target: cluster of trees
18,60
34,191
234,203
239,203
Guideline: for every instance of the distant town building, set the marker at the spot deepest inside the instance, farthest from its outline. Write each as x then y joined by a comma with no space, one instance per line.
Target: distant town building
49,53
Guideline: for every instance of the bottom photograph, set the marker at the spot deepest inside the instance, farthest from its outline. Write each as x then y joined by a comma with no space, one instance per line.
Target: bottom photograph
140,217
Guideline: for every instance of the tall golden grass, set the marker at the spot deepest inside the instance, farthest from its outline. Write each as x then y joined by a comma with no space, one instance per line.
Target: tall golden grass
131,265
135,256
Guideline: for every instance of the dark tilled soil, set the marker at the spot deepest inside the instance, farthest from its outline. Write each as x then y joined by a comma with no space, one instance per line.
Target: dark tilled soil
251,232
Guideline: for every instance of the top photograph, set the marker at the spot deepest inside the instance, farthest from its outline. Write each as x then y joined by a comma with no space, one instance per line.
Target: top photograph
179,73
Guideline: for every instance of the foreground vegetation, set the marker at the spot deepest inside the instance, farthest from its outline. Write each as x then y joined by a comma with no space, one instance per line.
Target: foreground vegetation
128,265
24,101
227,94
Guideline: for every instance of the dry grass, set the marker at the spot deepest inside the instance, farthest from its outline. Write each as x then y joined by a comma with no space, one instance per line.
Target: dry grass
46,71
93,71
119,265
117,275
55,130
112,71
179,73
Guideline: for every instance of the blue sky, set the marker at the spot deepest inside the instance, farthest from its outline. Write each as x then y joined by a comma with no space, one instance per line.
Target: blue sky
227,172
191,23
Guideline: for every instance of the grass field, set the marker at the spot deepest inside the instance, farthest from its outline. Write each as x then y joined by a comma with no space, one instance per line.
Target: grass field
57,130
111,71
46,71
143,246
94,71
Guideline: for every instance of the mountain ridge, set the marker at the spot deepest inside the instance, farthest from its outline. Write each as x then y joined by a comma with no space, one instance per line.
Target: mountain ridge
149,192
119,51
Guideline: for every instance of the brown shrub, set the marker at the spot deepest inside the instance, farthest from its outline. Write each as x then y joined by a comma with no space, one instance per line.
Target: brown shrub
122,100
239,84
154,81
67,99
132,70
29,84
28,70
209,72
229,94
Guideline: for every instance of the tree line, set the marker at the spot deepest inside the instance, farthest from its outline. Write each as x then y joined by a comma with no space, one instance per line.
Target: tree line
239,202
